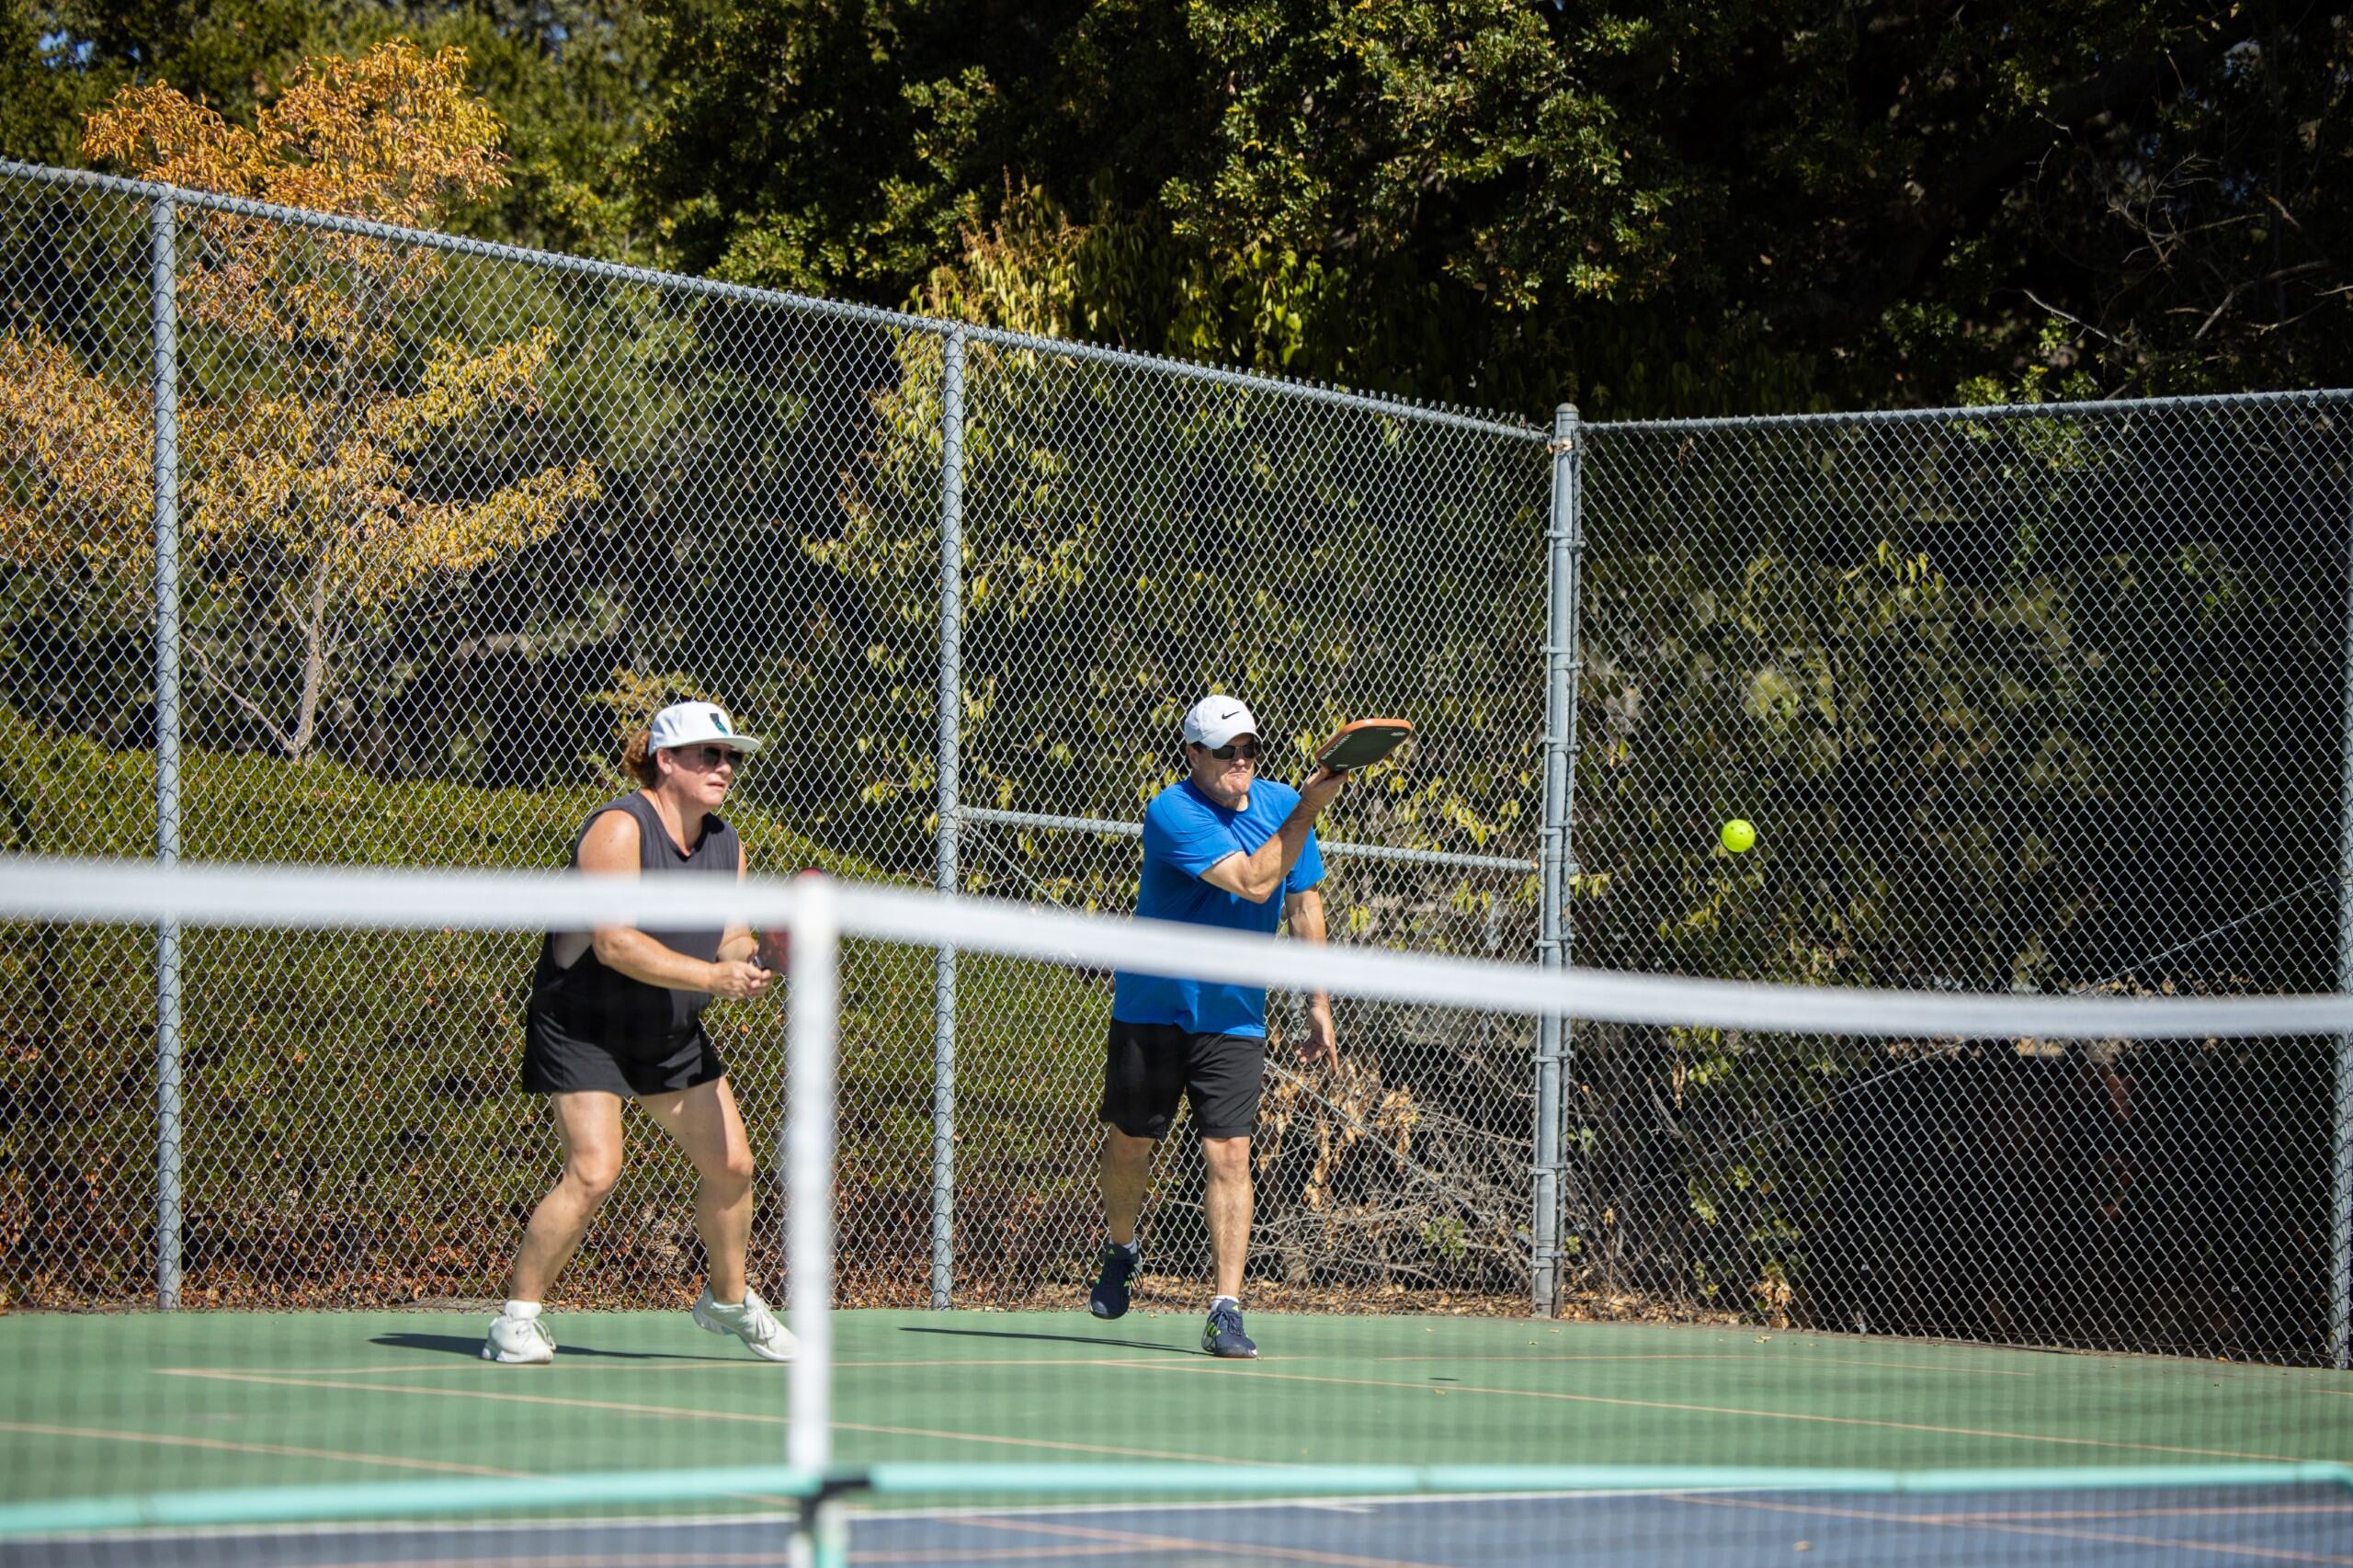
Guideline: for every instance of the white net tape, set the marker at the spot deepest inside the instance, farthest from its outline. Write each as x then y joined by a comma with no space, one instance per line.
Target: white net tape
282,897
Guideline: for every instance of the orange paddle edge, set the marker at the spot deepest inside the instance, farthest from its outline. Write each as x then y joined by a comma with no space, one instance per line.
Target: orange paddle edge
1363,743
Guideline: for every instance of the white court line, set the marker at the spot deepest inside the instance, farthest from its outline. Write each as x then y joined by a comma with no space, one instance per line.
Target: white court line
1730,1355
602,1560
605,1365
279,1450
1131,1540
618,1365
672,1413
2010,1522
1260,1372
971,1554
640,1521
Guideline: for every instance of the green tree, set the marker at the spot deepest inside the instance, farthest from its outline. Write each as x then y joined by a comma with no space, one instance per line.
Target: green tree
313,470
1676,208
64,61
1681,208
567,78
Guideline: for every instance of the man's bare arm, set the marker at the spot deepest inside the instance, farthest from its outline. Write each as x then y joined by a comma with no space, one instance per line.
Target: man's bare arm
1303,913
1259,874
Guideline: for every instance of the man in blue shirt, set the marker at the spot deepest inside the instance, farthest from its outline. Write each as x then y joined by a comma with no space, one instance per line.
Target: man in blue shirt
1218,845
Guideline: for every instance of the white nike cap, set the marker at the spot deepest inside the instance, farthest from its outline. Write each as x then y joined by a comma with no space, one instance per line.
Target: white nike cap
1214,721
696,724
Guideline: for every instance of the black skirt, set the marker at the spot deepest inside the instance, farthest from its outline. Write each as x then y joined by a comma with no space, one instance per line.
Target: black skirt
556,1061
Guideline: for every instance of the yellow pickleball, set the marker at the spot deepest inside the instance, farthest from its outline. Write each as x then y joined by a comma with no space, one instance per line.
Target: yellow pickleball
1737,835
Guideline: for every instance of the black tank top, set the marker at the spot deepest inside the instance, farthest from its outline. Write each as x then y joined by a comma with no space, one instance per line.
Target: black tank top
588,1002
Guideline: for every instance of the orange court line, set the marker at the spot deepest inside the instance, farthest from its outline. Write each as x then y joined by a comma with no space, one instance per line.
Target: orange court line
1228,1369
225,1446
2022,1514
1133,1539
1965,1521
672,1413
994,1554
2220,1548
2158,1512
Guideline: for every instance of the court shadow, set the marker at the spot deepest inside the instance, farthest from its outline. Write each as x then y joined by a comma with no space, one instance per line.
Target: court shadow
454,1345
1092,1341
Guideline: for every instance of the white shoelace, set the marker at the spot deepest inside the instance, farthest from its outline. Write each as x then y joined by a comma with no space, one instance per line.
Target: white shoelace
756,1321
533,1329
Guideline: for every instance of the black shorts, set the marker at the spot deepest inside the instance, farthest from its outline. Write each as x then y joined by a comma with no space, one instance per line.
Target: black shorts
556,1062
1147,1066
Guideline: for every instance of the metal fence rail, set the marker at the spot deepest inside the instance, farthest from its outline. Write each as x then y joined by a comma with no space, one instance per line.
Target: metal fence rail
329,541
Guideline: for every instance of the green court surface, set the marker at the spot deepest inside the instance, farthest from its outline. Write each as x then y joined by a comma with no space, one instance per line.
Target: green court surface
136,1403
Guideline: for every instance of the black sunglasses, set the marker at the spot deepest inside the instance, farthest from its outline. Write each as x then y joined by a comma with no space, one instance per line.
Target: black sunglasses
709,757
1247,750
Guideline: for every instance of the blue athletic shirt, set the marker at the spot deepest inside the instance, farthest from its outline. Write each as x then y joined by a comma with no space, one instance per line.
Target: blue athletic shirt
1186,832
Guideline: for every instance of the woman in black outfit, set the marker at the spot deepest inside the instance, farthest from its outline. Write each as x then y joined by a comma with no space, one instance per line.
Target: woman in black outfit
616,1014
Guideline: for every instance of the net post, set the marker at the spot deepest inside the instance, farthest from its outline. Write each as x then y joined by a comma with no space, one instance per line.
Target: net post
945,873
164,332
807,1160
1566,542
2341,1184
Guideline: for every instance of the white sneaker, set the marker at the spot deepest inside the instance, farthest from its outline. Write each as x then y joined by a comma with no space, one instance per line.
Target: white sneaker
752,1322
519,1342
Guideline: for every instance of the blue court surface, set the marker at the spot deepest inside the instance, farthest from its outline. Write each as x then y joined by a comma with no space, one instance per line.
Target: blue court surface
2186,1526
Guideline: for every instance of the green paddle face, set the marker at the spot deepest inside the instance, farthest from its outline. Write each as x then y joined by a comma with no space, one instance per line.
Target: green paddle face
1362,743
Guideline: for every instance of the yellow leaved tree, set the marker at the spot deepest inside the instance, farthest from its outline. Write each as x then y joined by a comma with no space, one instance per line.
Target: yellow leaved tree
330,463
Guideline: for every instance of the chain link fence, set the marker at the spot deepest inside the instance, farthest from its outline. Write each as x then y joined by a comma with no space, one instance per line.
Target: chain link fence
2039,699
452,519
2048,701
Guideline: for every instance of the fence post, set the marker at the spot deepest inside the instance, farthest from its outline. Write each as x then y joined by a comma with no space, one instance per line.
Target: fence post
163,317
1565,537
2341,1184
943,1004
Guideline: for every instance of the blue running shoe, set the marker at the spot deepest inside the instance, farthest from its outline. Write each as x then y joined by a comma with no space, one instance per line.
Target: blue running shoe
1223,1336
1118,1265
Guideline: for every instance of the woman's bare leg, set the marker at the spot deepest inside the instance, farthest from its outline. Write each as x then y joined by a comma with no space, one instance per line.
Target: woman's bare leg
588,1128
706,1124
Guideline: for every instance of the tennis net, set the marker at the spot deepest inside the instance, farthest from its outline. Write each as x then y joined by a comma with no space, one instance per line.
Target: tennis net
1791,1395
